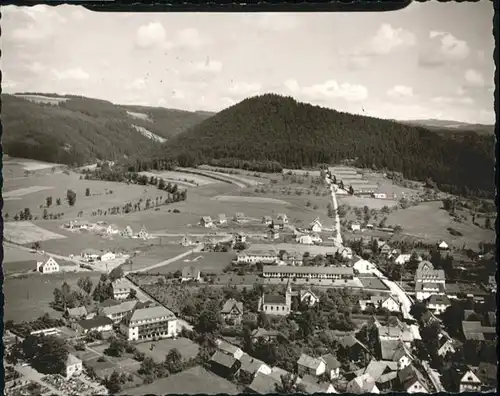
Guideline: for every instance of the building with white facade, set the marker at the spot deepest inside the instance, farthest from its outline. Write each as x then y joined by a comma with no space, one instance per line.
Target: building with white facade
108,256
253,257
276,271
47,267
73,366
121,289
148,323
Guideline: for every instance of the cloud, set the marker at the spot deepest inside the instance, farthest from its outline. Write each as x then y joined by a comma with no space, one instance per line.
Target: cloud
150,35
400,91
71,74
330,89
35,68
272,22
178,94
137,85
474,79
388,39
443,48
243,89
450,100
187,38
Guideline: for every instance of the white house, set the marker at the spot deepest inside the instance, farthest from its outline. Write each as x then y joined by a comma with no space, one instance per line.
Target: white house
240,238
267,220
228,349
362,384
412,380
304,240
443,245
190,274
112,230
388,302
396,351
402,259
379,195
282,217
438,303
445,345
143,234
108,256
272,235
355,227
332,366
48,267
97,323
308,297
121,289
252,366
150,322
127,232
310,365
467,379
90,254
364,267
222,219
73,366
206,221
316,238
185,241
316,225
345,252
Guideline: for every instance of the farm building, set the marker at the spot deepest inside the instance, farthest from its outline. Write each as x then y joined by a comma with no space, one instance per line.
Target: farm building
48,267
108,256
240,237
143,234
206,221
90,254
316,225
282,217
228,349
112,230
190,274
251,366
121,289
224,365
222,219
267,220
273,235
127,232
304,240
310,365
151,322
186,241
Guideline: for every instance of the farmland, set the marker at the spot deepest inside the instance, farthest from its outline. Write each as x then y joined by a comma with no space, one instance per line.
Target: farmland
25,232
205,262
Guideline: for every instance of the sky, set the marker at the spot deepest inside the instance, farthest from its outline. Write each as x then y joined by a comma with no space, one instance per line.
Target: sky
429,60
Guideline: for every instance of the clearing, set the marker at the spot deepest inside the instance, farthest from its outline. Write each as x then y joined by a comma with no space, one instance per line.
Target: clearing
140,116
20,192
429,222
182,183
43,99
360,202
25,232
185,177
161,348
206,262
196,380
244,199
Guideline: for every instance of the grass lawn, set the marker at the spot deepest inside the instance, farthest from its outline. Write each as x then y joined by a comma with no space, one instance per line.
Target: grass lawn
205,261
196,380
28,298
429,222
185,346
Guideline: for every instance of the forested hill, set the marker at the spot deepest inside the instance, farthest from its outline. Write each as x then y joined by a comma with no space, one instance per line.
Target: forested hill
77,130
275,128
443,126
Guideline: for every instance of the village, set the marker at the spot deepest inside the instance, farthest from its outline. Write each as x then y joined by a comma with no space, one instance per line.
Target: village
297,309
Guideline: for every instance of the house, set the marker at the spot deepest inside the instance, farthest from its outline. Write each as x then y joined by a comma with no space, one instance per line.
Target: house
206,221
190,273
353,348
384,248
364,267
275,304
90,255
224,365
263,384
222,219
379,195
239,217
316,225
474,330
464,379
396,330
256,256
362,384
119,311
251,366
267,220
304,240
443,246
445,345
76,313
48,267
402,259
273,235
311,273
313,385
108,256
345,252
148,323
307,297
143,234
412,380
396,351
186,241
282,217
232,311
383,373
355,227
316,238
310,365
438,304
121,289
97,323
424,290
112,230
332,366
492,283
264,335
228,349
278,225
73,366
240,238
388,302
428,318
127,232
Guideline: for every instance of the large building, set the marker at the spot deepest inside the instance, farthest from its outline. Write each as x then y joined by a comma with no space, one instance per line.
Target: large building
117,312
254,257
121,289
276,304
147,323
335,273
47,267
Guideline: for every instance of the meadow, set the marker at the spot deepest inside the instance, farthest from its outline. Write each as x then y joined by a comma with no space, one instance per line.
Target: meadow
161,348
207,262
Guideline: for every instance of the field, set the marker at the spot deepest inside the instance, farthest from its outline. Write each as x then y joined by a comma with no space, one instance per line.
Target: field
28,298
24,232
186,177
43,99
16,194
12,254
156,254
249,200
361,202
206,262
161,348
428,222
196,380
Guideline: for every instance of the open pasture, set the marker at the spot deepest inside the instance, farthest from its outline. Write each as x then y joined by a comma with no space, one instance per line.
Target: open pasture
25,232
429,222
140,116
186,177
17,194
196,380
249,200
43,99
361,202
152,255
242,180
29,297
181,183
12,254
207,262
159,349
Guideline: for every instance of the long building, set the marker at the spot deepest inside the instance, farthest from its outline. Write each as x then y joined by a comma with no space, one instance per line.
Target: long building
147,323
277,271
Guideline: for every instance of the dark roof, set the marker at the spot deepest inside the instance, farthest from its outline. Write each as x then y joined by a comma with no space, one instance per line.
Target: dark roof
263,384
250,364
190,272
409,375
274,299
439,300
223,359
331,361
95,322
230,304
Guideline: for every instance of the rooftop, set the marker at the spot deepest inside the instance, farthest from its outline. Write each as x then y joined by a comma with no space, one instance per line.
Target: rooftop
263,384
409,375
226,347
223,359
307,270
250,364
309,361
95,322
230,304
439,300
125,306
152,313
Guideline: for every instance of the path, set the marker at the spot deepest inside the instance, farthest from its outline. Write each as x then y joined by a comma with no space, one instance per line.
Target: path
198,248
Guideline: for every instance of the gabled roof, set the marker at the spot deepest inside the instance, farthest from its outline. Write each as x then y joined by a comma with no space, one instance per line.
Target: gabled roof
393,350
230,304
364,383
439,300
268,218
274,299
349,341
95,322
223,359
226,347
207,219
76,312
125,306
409,375
331,361
263,384
260,332
250,364
305,292
377,368
152,313
190,272
72,360
309,361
